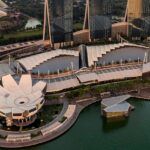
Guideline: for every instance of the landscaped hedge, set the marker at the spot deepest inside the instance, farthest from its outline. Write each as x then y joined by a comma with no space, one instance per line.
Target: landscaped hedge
114,87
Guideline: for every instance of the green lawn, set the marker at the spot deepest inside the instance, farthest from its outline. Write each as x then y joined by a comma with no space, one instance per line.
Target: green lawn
23,34
48,112
114,87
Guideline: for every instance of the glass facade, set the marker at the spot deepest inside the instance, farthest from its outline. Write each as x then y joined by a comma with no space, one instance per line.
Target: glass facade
61,18
139,18
146,14
100,18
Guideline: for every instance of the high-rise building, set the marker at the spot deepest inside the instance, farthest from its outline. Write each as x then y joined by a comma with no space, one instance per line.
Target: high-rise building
146,14
58,19
98,16
138,17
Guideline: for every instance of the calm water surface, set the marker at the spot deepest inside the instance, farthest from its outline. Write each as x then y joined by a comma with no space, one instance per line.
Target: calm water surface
91,132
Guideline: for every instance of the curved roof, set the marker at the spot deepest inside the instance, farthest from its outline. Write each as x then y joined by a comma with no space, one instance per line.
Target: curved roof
2,4
33,61
20,98
2,13
95,52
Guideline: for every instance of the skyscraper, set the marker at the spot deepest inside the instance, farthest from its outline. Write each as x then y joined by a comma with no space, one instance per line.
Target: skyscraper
98,15
138,17
59,18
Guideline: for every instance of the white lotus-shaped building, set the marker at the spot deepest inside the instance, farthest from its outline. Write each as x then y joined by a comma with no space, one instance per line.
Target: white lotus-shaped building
20,102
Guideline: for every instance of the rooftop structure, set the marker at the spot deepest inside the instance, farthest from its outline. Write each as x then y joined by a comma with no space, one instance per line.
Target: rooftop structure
88,78
103,75
31,62
121,107
91,55
107,102
59,85
116,106
96,52
20,103
119,73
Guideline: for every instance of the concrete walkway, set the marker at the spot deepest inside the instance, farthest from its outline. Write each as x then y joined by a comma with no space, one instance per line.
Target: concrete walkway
143,94
41,139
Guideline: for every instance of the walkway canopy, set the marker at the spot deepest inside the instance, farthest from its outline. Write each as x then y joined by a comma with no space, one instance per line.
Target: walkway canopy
88,77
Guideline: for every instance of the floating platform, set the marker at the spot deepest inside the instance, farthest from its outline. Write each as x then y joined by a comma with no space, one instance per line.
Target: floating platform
115,107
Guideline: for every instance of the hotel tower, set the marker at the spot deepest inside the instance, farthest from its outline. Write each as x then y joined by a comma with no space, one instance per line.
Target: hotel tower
97,19
58,21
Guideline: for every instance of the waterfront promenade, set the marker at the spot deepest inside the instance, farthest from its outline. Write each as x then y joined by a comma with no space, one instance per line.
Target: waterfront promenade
143,94
56,128
67,124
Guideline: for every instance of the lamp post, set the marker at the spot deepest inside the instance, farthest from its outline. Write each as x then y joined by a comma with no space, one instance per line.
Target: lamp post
38,73
121,61
112,62
104,63
129,60
17,68
72,66
48,73
58,72
21,70
145,58
9,60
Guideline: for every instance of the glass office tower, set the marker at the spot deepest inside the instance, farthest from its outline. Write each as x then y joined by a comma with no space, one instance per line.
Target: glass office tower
61,20
146,15
100,14
139,19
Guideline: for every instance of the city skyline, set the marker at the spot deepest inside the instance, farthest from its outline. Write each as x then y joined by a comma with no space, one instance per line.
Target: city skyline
72,72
